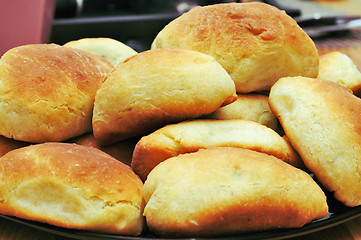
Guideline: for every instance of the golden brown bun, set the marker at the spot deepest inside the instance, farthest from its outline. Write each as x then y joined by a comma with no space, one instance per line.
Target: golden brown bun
338,67
322,121
47,92
112,50
123,150
71,186
252,107
255,42
157,87
225,191
191,136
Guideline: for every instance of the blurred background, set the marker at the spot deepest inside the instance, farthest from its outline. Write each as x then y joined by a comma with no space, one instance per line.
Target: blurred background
133,22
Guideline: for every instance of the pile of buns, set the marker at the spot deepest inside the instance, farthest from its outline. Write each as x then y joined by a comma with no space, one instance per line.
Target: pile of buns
214,131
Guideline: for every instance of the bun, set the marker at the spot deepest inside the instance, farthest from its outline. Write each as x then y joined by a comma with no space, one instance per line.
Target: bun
112,50
322,121
225,191
255,43
144,94
47,92
339,68
191,136
253,107
71,186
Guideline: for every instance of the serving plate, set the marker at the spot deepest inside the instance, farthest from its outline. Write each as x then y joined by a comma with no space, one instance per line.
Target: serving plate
338,213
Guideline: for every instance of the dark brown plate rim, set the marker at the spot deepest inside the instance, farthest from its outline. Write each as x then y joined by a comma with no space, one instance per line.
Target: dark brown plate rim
338,214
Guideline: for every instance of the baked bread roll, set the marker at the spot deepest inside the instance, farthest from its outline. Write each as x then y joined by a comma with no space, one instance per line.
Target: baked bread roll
47,92
122,151
71,186
191,136
322,121
157,87
225,191
112,50
252,107
338,67
256,43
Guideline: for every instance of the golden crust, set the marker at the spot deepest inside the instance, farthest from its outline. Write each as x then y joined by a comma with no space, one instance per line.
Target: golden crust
322,121
112,50
255,42
71,186
47,92
191,136
225,191
157,87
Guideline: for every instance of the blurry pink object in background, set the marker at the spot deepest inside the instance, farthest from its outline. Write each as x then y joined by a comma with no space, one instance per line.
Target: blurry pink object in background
25,22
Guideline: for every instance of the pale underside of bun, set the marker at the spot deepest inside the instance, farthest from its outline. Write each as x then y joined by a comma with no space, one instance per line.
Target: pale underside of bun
249,106
338,67
112,50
